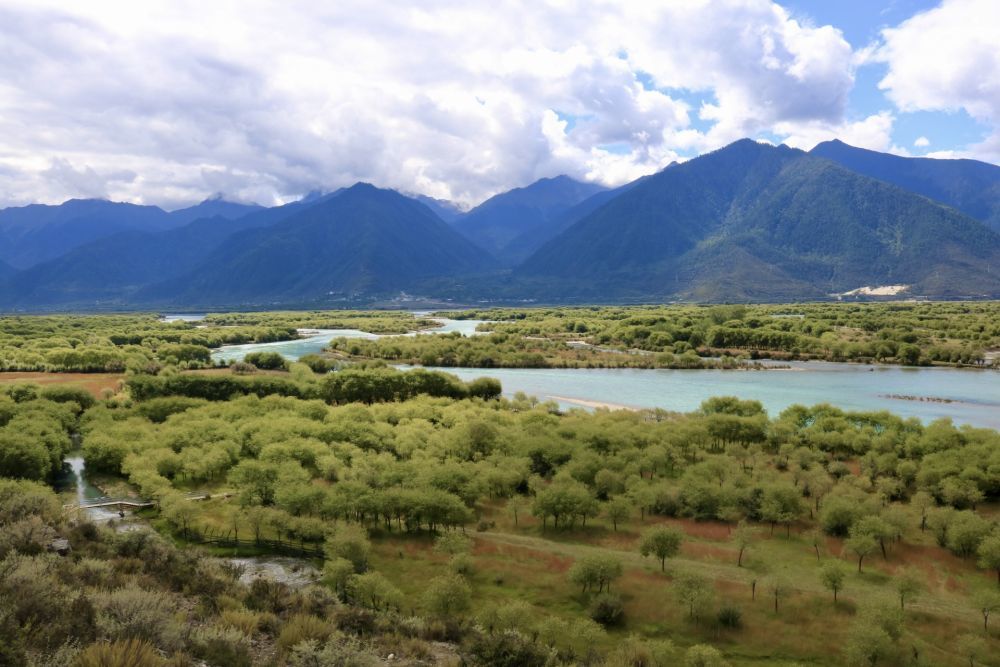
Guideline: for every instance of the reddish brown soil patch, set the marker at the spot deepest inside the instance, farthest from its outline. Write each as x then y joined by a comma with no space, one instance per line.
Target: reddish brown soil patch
698,551
95,383
708,530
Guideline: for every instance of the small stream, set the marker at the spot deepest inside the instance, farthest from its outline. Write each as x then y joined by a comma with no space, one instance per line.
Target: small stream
74,478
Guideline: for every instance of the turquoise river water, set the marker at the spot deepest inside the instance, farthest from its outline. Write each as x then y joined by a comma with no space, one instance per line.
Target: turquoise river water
967,396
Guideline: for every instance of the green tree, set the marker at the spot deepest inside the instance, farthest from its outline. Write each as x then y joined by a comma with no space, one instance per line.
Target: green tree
743,538
862,545
989,553
662,542
908,585
694,592
618,509
986,602
447,596
833,574
972,648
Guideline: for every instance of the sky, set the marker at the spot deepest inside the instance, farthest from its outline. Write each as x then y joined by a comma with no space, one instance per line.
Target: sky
168,102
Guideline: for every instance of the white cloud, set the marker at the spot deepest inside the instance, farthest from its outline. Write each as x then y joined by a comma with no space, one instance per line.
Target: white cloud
922,142
169,101
948,59
873,132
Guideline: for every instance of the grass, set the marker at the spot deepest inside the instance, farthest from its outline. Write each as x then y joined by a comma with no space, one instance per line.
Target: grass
95,383
526,563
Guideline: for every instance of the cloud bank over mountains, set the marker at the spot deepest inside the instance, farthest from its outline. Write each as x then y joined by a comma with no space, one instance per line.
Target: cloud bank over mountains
166,102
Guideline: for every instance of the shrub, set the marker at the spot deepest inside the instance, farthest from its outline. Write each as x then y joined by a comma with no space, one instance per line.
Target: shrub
506,649
303,627
607,609
730,617
222,646
243,620
126,653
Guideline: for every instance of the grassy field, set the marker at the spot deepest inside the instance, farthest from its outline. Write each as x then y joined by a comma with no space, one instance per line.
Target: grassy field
95,383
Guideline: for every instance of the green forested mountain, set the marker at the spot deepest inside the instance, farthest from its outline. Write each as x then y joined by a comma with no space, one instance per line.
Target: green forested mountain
363,241
108,271
211,208
971,186
35,233
513,224
754,221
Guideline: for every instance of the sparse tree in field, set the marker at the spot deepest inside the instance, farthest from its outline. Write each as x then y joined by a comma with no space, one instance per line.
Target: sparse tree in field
743,539
350,542
778,588
833,574
453,543
816,540
876,527
373,590
989,553
337,572
922,502
986,602
862,545
782,503
694,592
662,542
618,509
758,570
972,648
907,585
447,596
517,506
590,571
867,645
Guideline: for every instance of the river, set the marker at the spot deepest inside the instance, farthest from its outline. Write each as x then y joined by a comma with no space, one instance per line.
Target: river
314,340
967,396
973,395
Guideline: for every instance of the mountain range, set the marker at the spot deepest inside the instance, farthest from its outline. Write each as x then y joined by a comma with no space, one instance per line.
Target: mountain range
750,221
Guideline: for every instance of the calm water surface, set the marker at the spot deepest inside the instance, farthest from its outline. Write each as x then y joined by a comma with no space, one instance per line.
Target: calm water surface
974,394
964,395
316,339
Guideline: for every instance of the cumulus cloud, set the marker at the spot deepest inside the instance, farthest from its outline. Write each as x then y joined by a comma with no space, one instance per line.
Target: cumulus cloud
948,59
168,101
921,142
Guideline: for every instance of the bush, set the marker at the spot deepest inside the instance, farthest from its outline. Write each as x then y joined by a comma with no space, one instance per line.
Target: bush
303,627
607,609
268,361
506,649
127,653
222,646
730,617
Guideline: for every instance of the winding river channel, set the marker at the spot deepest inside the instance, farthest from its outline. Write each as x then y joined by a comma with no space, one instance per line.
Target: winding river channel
967,396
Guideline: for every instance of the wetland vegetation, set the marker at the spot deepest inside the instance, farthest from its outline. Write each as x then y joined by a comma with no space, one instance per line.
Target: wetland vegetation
452,524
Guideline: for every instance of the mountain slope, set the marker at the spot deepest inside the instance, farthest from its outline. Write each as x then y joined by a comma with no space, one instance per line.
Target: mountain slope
363,241
753,221
35,233
513,224
212,208
971,186
110,270
442,208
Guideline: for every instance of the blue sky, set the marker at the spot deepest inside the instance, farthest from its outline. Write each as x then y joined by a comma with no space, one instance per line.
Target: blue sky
460,99
861,22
